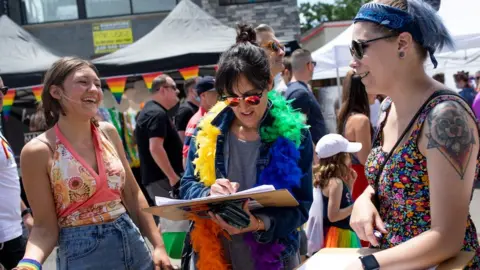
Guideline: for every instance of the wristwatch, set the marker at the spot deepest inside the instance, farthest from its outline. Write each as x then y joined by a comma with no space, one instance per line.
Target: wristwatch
26,211
369,262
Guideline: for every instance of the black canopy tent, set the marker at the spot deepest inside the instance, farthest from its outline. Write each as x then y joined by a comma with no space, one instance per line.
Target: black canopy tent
188,36
23,59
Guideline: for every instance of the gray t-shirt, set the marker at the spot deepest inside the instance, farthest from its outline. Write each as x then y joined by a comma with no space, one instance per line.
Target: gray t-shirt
242,161
242,168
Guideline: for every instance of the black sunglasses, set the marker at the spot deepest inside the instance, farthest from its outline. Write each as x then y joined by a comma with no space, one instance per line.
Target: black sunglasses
4,90
274,46
357,48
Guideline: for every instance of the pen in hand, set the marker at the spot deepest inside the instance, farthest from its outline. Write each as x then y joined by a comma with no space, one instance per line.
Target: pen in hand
223,186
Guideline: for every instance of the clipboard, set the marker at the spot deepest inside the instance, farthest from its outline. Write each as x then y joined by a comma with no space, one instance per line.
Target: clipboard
181,210
346,255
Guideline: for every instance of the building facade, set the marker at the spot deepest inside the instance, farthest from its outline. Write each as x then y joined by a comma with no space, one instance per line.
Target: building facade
92,28
317,37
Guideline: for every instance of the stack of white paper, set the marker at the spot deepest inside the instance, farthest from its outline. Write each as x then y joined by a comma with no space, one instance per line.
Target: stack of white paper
160,201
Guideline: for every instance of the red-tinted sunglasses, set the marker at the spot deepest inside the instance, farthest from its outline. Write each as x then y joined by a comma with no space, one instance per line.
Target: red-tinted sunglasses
250,100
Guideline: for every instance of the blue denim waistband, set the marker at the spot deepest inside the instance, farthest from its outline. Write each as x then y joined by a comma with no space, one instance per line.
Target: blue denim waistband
122,222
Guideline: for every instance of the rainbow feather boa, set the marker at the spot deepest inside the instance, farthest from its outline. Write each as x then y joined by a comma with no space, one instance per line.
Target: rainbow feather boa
285,134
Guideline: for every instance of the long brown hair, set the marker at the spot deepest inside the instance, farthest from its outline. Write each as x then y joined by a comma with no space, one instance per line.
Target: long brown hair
328,168
56,75
354,100
37,121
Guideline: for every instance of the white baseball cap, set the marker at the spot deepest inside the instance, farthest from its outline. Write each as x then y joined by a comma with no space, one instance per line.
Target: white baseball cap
332,144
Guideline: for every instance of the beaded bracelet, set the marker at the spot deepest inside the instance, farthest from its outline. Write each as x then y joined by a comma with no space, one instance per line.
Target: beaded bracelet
28,264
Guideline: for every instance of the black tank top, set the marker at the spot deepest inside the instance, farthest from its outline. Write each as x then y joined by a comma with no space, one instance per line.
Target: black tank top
345,202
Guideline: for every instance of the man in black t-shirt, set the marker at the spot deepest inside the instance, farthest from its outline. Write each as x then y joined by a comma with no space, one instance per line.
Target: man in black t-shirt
188,108
303,98
159,146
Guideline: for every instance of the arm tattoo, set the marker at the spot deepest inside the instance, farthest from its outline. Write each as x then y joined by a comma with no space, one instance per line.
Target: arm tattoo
450,134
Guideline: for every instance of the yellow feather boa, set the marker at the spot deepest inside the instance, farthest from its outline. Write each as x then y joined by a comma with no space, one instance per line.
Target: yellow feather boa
206,143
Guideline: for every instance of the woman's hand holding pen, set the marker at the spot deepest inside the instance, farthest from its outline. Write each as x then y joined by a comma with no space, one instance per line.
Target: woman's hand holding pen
223,187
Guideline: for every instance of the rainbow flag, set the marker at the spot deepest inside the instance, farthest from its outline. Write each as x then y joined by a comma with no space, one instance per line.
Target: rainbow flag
149,77
117,87
37,92
189,72
8,100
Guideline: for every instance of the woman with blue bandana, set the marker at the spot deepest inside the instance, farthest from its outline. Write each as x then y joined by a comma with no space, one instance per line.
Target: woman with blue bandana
424,156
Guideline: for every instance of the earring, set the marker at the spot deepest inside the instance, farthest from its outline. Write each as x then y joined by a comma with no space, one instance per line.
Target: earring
401,54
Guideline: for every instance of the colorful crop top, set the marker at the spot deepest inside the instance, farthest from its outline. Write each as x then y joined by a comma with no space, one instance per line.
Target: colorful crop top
82,196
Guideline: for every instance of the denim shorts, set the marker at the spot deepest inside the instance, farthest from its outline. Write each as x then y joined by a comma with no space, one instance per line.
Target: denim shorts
113,245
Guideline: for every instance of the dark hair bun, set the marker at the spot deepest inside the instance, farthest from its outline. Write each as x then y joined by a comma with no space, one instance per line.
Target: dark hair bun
461,76
434,3
246,33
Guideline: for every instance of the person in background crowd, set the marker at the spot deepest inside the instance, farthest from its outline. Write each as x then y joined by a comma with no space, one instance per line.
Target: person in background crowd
208,97
477,81
300,93
423,161
275,50
333,178
439,77
188,108
236,139
12,208
353,122
285,76
80,185
302,97
287,72
159,145
476,106
462,82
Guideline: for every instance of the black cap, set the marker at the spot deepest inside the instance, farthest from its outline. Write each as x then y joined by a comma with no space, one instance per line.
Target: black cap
205,84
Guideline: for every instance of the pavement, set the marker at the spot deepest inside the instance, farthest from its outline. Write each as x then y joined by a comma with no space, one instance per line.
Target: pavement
474,211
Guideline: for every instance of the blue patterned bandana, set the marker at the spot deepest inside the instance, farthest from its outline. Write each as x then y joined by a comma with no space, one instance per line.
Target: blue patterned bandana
394,19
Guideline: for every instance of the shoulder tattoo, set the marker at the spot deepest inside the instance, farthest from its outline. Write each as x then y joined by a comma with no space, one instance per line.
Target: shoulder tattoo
448,131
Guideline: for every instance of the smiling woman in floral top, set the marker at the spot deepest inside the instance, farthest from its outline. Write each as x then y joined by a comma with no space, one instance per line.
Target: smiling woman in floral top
424,158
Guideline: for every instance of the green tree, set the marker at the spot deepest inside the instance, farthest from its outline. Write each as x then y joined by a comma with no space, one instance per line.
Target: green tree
312,15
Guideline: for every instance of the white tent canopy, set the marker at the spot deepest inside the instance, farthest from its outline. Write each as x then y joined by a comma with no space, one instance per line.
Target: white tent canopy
459,17
186,30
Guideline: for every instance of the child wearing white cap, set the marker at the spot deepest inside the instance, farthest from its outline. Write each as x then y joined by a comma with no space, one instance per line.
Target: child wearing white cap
329,217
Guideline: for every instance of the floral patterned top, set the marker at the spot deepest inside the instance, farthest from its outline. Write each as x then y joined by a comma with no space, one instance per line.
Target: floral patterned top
82,196
403,187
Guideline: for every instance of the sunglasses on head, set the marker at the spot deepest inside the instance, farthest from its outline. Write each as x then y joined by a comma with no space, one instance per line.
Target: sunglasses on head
274,46
4,90
357,48
253,100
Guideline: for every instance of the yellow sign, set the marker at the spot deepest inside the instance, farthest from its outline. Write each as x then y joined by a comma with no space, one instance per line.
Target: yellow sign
109,37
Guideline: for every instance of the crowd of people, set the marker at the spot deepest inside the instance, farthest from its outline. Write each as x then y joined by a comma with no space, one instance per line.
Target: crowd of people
404,146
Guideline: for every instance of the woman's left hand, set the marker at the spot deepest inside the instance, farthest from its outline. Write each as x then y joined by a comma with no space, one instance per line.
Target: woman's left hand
355,265
255,224
161,259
